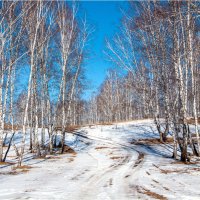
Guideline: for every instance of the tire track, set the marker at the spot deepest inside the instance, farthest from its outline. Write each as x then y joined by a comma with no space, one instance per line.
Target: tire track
141,155
122,169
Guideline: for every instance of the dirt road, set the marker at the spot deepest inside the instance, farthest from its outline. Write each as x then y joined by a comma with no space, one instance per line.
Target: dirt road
106,165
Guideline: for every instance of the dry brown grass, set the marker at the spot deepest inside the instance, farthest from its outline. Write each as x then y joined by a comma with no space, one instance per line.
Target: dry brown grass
150,193
52,157
102,147
151,141
185,163
133,120
6,163
9,173
68,149
195,169
17,170
69,129
23,167
179,171
153,194
8,127
116,157
191,120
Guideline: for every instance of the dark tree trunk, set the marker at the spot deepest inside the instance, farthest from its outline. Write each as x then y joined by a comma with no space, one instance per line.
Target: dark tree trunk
184,146
63,142
9,145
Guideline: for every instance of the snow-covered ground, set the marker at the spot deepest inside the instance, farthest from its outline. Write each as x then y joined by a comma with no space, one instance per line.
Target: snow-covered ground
108,164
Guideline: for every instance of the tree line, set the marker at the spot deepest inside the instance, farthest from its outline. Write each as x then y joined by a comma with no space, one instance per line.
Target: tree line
42,52
158,47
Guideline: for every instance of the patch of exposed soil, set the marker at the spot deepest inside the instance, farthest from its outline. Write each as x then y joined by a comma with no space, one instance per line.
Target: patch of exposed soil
116,157
68,149
180,171
101,147
151,141
150,193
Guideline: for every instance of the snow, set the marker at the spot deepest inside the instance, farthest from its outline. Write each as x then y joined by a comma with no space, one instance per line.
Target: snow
106,166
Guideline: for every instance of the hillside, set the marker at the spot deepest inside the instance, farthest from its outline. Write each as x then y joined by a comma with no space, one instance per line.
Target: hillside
119,161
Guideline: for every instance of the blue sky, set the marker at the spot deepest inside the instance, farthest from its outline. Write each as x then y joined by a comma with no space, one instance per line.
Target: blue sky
105,16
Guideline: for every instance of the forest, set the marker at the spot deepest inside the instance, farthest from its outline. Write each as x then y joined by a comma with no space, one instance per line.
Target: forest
155,76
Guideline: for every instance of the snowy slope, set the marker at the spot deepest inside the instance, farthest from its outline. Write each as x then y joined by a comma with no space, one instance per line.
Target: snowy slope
107,165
